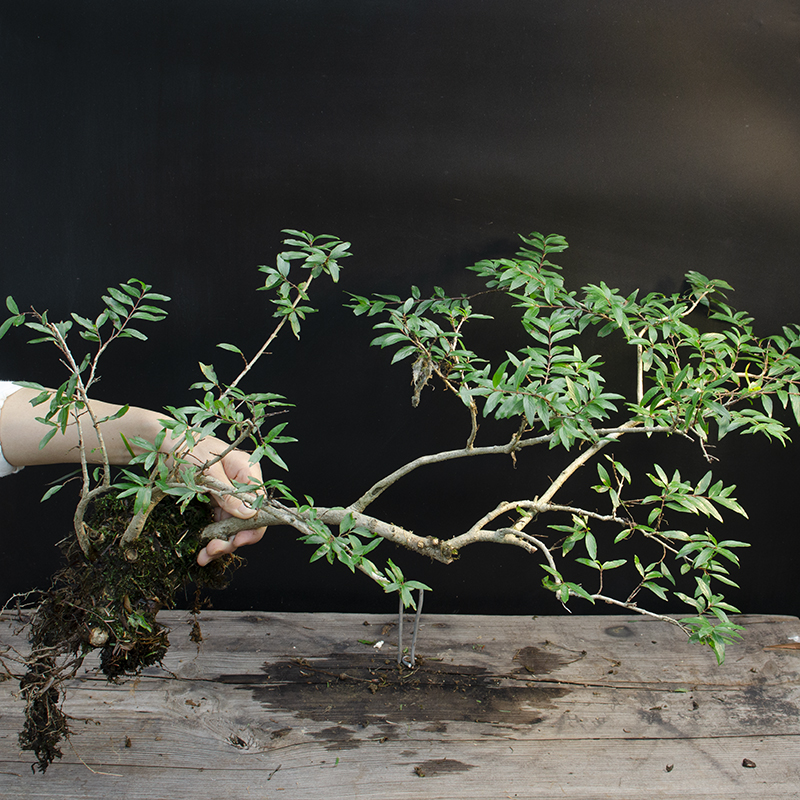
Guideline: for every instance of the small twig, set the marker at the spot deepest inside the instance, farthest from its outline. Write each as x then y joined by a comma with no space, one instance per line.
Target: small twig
301,291
181,457
643,611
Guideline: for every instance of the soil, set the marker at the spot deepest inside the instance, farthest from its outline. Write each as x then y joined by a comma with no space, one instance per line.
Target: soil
109,601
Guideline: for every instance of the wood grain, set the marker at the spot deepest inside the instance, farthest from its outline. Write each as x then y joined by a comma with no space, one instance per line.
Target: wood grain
305,706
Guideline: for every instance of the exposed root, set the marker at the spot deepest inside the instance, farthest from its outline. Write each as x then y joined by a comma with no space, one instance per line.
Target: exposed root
109,601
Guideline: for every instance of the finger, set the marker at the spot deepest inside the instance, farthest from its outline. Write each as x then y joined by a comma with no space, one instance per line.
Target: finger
237,467
233,469
213,550
234,506
229,504
219,547
248,537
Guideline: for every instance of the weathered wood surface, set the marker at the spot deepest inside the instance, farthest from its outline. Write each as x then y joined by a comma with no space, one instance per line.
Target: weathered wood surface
295,706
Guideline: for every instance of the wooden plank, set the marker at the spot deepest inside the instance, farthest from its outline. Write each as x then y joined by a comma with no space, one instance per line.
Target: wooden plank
588,769
294,705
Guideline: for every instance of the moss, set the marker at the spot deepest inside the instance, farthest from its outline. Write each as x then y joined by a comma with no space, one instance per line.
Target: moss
110,602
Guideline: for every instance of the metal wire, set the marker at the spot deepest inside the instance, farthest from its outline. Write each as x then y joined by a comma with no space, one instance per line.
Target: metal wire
411,659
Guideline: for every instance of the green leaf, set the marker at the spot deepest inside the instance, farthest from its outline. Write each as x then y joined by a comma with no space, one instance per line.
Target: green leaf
120,297
147,316
794,399
158,297
704,483
51,491
48,436
208,371
389,339
132,333
655,589
530,407
591,545
129,288
115,306
143,498
4,328
404,352
273,456
231,347
498,374
578,590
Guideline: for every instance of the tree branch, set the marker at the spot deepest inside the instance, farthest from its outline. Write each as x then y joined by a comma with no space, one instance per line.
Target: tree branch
447,455
607,438
607,434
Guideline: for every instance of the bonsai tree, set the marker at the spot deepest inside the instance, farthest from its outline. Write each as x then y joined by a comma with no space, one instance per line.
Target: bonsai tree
697,372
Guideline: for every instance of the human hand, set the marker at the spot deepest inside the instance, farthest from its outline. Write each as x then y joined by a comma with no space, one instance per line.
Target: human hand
235,466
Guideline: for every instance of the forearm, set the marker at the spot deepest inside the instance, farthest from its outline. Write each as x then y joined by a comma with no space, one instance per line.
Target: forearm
20,433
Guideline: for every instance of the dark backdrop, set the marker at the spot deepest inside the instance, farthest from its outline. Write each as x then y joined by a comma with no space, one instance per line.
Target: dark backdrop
172,141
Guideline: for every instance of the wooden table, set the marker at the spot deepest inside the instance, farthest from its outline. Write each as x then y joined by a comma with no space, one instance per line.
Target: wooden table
308,706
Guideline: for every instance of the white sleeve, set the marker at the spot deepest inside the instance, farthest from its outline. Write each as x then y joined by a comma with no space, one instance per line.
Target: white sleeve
6,388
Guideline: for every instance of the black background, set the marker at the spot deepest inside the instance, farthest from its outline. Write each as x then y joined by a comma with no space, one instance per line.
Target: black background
172,141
